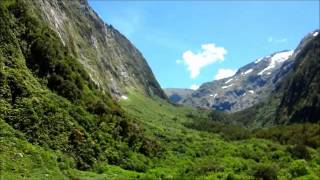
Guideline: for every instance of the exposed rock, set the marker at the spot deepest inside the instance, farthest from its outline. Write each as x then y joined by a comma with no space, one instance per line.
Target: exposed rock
250,85
112,61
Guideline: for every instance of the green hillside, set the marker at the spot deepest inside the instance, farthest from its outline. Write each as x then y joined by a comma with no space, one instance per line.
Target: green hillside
48,97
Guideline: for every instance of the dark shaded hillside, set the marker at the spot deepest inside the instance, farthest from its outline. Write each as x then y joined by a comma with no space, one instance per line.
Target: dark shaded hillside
301,89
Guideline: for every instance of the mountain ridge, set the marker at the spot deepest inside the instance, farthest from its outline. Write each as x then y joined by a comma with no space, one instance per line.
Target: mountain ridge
251,83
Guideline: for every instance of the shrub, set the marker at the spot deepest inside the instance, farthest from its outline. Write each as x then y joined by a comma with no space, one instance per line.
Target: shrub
217,116
265,172
298,168
98,107
299,151
190,115
17,88
209,167
150,148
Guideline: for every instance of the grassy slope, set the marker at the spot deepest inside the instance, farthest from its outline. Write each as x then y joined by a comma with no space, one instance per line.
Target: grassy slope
190,153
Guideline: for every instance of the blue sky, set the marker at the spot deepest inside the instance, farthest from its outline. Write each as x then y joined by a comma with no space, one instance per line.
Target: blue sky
187,43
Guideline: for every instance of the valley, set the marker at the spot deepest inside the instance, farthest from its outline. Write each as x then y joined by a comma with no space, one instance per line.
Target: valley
79,101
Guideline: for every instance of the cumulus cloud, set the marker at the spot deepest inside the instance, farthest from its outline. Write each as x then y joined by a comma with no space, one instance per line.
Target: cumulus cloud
224,73
276,40
210,53
194,87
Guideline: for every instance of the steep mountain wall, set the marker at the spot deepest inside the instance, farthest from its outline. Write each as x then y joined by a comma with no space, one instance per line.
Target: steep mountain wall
301,89
111,60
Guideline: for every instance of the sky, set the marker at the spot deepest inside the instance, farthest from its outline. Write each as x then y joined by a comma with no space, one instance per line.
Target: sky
187,43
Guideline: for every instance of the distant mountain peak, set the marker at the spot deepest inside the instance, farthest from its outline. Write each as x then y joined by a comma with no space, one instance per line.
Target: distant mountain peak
252,83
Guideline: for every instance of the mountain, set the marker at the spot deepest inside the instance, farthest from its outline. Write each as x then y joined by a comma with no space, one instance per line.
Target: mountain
111,60
295,99
62,72
301,89
250,85
176,95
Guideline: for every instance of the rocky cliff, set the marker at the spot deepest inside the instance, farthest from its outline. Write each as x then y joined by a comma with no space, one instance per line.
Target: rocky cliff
111,60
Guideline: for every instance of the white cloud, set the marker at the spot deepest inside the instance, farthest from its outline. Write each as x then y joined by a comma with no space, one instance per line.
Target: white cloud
209,54
224,73
276,40
194,87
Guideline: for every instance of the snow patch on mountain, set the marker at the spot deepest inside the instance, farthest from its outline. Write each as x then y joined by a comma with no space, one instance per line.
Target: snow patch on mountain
248,71
315,34
228,81
224,87
258,60
277,59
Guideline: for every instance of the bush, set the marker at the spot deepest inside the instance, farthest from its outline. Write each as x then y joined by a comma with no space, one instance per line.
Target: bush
298,168
98,107
150,148
299,151
209,167
136,163
217,116
265,172
17,88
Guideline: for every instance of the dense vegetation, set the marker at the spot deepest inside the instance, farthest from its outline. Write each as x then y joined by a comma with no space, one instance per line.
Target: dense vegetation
198,148
55,123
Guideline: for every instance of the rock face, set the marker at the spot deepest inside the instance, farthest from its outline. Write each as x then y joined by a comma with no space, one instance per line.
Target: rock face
111,60
251,84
